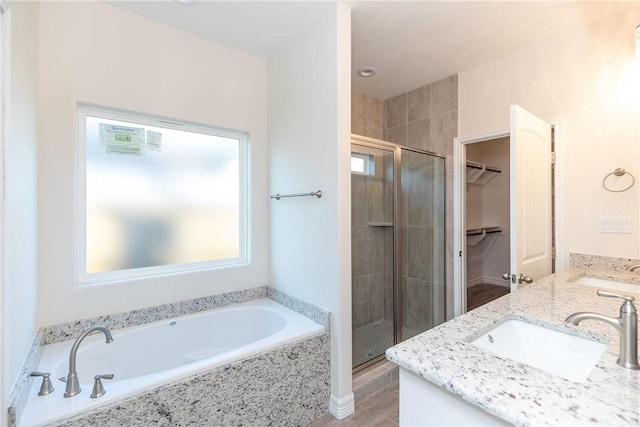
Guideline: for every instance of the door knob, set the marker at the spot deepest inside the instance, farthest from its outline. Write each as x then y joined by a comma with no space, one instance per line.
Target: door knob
523,278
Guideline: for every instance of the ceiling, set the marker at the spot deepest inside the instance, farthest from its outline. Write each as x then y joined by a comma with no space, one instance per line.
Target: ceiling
410,43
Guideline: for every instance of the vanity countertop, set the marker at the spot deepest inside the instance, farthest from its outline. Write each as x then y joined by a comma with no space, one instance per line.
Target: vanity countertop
520,394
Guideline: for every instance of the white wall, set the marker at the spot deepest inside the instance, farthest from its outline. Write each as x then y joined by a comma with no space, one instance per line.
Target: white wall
309,140
93,52
19,298
588,76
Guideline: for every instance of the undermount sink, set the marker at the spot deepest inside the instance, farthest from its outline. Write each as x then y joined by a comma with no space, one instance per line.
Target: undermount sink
567,356
612,285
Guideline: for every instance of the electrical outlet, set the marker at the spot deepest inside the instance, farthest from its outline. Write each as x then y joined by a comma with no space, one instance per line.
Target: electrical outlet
615,224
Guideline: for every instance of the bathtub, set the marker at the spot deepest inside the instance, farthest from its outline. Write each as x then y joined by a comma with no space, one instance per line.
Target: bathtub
148,356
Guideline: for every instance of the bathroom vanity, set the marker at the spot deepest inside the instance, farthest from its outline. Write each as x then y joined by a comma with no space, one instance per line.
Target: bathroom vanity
447,379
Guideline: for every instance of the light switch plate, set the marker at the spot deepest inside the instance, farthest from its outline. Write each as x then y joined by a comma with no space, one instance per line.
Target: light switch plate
615,224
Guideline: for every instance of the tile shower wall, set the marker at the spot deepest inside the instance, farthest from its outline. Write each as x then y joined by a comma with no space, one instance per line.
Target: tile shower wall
372,241
422,255
366,116
427,118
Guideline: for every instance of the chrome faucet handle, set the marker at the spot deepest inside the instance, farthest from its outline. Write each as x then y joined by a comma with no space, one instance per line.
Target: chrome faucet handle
98,388
46,387
626,325
627,298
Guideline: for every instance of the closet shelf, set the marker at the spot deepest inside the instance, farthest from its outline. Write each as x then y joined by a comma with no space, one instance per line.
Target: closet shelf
479,175
477,235
380,224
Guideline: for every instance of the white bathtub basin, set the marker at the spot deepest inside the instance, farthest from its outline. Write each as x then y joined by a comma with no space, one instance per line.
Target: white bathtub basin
149,356
564,355
612,285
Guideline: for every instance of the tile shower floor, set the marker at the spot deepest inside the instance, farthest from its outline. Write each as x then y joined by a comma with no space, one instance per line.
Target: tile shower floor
373,339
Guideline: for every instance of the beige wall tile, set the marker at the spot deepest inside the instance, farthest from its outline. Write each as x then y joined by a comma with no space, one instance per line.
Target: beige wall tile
376,302
358,200
375,250
404,259
359,129
444,95
375,117
397,134
424,118
420,248
420,197
439,304
439,256
419,104
419,134
395,110
374,133
388,297
444,128
358,108
359,264
359,294
419,302
375,200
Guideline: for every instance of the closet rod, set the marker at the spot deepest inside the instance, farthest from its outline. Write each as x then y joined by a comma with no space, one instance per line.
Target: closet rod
475,165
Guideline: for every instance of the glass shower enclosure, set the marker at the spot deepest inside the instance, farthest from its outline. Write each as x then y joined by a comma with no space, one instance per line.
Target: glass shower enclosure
398,245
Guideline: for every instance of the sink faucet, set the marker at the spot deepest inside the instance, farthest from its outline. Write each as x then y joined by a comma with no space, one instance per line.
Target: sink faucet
626,325
633,267
73,385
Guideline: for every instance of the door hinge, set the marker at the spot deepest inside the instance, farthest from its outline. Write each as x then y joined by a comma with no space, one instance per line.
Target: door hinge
553,157
553,253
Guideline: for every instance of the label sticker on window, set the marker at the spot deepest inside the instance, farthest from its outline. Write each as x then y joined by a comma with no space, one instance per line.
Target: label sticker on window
122,139
154,141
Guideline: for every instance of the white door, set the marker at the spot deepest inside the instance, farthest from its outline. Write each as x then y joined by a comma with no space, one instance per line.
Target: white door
530,191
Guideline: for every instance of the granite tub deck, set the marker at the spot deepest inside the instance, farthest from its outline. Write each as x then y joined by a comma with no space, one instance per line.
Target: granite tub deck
286,385
523,395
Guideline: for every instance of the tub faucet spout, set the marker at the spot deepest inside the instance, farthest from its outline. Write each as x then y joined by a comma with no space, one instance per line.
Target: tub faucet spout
73,385
626,325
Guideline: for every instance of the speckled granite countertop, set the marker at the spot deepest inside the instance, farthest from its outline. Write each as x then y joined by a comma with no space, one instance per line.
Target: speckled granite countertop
520,394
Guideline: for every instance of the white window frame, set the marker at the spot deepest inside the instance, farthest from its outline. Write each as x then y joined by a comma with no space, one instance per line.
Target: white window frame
82,277
367,158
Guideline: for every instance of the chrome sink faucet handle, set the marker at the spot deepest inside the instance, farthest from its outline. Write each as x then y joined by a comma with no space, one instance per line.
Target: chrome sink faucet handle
73,385
46,387
98,388
626,325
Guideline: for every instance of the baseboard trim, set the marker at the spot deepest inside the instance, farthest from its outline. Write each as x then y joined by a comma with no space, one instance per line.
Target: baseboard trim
489,281
342,408
497,281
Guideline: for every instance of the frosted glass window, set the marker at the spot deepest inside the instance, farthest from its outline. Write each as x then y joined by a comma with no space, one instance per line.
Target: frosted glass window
158,196
360,163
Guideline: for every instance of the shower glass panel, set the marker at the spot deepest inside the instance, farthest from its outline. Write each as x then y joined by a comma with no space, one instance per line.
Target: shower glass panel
397,246
372,234
422,242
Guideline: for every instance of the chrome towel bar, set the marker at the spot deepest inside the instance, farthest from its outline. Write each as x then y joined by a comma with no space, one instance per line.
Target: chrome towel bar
279,196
